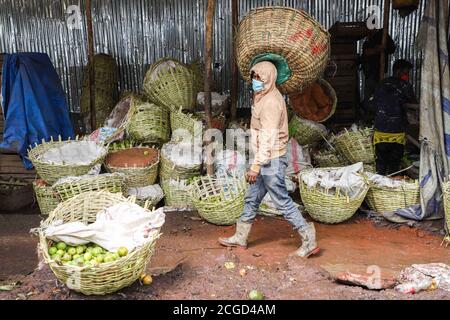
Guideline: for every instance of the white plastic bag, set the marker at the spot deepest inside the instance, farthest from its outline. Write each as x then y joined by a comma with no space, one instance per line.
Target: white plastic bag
122,225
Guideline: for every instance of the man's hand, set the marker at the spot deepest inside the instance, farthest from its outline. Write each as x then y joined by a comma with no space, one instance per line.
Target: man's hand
251,176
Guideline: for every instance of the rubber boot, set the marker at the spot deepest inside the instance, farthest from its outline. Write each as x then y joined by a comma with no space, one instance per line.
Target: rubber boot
240,237
309,245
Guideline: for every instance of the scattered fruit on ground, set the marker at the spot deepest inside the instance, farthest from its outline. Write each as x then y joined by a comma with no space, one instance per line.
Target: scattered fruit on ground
256,295
146,280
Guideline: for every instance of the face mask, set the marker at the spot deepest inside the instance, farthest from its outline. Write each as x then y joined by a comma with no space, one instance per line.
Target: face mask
405,77
257,85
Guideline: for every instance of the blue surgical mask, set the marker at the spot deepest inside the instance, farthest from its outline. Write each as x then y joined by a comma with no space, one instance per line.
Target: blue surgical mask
258,86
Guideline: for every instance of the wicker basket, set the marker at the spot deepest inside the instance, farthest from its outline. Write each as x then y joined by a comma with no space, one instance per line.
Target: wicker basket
170,170
329,207
306,132
219,201
329,159
446,192
137,177
299,42
177,194
172,87
108,277
51,173
113,183
385,199
298,105
356,146
46,198
149,123
182,123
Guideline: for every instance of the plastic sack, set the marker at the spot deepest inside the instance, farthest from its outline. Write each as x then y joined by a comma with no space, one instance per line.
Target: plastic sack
229,163
299,158
122,225
153,193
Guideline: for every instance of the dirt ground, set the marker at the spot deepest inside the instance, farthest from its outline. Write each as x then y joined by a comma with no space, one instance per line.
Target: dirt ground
192,265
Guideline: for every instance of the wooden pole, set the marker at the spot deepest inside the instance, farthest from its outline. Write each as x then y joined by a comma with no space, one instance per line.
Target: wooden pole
90,36
209,26
234,66
387,10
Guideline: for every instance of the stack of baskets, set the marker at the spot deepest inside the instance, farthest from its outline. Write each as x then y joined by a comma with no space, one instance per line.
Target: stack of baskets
331,207
219,201
357,146
297,44
171,84
149,123
389,199
329,159
107,277
307,133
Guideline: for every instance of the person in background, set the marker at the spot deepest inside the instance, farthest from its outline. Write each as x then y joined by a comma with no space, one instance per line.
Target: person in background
389,103
269,137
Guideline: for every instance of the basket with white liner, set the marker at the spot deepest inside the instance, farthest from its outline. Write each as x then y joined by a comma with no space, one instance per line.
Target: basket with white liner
388,195
180,160
98,217
333,195
57,159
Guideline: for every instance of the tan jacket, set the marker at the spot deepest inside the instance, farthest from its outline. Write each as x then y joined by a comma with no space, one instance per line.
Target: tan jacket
269,125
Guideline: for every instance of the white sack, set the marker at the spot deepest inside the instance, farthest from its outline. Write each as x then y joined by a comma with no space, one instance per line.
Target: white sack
74,153
229,163
122,225
154,193
298,157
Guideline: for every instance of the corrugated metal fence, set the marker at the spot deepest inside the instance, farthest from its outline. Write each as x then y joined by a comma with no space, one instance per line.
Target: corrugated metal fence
138,32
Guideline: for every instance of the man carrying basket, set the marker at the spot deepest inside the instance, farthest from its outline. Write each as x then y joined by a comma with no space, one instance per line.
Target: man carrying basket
269,137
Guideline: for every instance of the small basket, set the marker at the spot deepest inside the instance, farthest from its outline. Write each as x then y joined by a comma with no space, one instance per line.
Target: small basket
108,277
51,173
384,199
329,208
173,87
46,198
113,183
299,42
329,159
182,123
356,146
170,170
137,177
306,132
177,194
149,123
219,201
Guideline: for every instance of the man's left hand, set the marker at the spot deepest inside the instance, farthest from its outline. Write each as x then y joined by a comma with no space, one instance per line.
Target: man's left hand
251,176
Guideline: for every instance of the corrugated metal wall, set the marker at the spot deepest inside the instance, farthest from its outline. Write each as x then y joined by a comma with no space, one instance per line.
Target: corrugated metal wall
138,32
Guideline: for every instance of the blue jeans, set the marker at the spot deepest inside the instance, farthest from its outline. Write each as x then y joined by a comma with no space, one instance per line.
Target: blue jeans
272,180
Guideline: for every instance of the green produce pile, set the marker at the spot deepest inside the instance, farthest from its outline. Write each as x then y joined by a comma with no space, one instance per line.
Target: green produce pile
90,255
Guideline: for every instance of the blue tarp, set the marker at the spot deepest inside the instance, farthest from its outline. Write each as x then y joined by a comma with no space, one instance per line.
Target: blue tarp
34,104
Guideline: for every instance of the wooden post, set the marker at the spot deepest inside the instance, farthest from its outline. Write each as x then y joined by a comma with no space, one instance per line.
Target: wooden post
90,36
234,66
387,10
209,25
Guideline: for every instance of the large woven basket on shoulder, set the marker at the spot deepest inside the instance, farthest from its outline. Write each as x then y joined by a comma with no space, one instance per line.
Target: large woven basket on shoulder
219,201
384,199
306,132
46,198
356,146
446,192
51,173
137,177
113,183
298,42
171,87
107,277
329,207
177,194
149,123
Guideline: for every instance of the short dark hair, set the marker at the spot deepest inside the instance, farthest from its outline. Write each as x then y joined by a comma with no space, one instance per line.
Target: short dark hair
402,65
